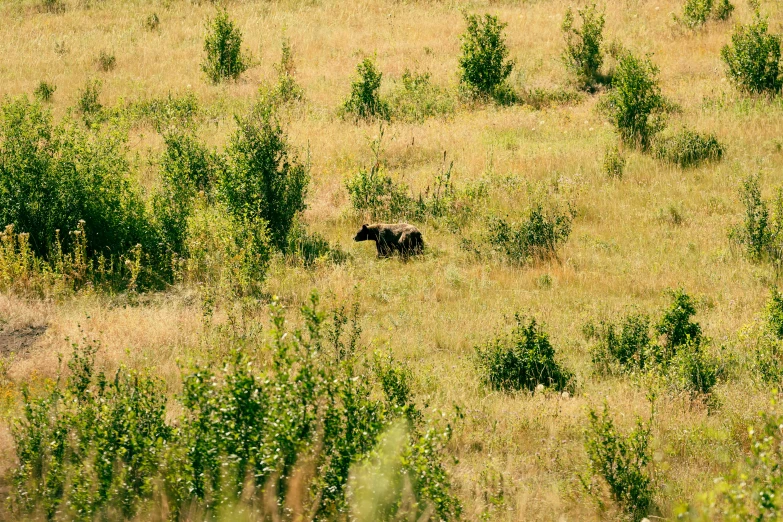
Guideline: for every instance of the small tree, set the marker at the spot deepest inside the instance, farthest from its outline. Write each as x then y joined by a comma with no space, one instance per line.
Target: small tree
483,64
583,54
753,58
223,46
365,101
263,181
635,104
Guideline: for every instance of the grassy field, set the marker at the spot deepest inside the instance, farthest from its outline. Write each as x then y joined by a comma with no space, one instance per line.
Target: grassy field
516,456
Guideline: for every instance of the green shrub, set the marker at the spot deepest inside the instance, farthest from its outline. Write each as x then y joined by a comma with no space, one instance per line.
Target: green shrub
696,13
522,359
722,10
537,238
625,346
676,326
417,99
753,58
227,254
54,176
264,183
688,148
44,91
635,105
759,233
374,194
187,168
583,55
483,65
774,311
694,371
614,162
88,104
92,448
285,420
365,100
106,61
622,462
224,59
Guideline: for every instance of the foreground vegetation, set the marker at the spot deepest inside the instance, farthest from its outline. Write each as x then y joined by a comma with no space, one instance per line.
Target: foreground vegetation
188,331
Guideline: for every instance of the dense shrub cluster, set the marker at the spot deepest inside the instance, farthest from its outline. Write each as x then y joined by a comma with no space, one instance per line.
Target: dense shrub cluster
522,359
677,351
753,58
52,176
294,427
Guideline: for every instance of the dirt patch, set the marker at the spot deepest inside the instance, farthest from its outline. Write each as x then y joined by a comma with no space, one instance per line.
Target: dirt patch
19,340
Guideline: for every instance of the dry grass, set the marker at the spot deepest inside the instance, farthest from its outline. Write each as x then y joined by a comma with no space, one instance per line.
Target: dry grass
431,312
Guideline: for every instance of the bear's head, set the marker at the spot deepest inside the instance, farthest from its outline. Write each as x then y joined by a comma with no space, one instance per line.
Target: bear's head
364,234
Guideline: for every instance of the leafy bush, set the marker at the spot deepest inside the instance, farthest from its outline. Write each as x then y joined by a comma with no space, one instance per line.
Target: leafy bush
88,104
226,253
695,13
694,371
583,55
688,148
722,10
288,420
44,91
537,238
676,326
522,359
224,59
614,162
417,99
759,233
187,168
625,346
753,58
769,350
635,105
106,61
483,65
54,176
264,183
622,462
365,101
376,195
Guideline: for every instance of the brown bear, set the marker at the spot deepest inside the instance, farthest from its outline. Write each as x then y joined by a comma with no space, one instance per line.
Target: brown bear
389,238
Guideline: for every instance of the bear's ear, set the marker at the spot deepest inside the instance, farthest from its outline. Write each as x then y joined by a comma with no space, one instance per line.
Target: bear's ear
364,227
